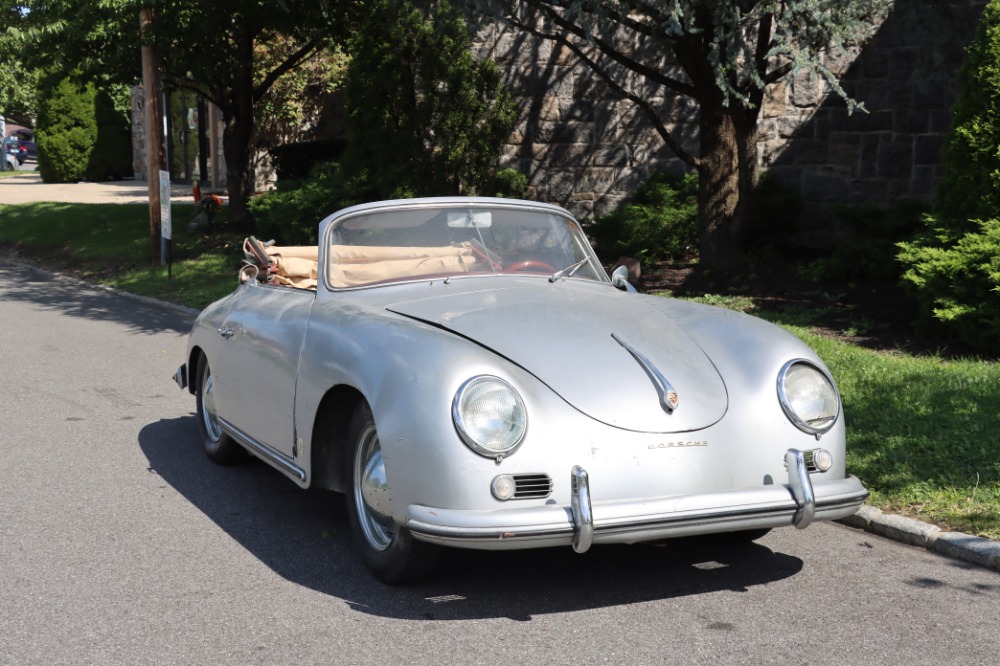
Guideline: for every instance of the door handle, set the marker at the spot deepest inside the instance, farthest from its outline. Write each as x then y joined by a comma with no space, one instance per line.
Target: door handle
227,332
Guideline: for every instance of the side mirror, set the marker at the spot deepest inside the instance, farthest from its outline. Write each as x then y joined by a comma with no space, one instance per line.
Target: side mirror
619,278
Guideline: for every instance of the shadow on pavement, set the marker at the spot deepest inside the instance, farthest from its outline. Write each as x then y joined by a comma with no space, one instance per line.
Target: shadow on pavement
77,299
304,537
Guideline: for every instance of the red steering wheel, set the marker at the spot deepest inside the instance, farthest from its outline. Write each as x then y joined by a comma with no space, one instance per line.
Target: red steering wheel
530,265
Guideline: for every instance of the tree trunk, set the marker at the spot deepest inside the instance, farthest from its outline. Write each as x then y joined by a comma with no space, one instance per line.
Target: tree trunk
237,144
727,180
238,134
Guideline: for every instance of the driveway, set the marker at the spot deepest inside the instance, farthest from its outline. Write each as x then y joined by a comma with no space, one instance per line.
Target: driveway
29,188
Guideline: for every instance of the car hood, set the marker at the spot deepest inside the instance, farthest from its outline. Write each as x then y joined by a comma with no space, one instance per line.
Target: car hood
576,338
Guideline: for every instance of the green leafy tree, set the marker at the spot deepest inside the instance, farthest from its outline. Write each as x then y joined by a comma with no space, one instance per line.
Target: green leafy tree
722,54
424,116
954,266
17,82
212,47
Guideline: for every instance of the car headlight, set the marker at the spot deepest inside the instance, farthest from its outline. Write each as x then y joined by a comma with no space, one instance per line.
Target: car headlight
489,416
808,396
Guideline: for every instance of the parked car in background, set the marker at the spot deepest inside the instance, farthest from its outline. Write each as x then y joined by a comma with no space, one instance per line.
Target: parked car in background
21,143
465,371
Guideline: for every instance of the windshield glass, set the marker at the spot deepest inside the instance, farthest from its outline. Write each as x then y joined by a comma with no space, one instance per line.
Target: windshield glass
457,241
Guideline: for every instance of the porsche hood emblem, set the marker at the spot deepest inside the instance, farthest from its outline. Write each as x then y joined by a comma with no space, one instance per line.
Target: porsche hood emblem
669,398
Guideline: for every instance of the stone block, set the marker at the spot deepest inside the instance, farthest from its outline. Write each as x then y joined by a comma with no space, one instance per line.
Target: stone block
548,108
863,518
869,191
932,94
977,550
923,182
895,157
874,62
559,132
939,120
868,160
845,150
872,93
806,89
912,121
927,149
775,100
824,186
907,530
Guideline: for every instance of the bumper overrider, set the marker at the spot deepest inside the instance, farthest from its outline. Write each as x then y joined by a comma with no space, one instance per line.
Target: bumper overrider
798,502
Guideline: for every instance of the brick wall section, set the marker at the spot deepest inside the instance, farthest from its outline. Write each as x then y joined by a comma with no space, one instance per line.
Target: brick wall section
583,147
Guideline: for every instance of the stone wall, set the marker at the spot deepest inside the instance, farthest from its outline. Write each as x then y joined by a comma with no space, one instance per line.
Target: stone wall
584,147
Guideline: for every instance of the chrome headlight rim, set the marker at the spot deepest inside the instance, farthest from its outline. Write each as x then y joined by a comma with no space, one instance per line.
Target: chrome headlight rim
468,437
796,419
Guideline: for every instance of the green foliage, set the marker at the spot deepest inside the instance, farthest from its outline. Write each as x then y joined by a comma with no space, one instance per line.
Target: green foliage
509,183
953,267
661,221
66,130
869,245
425,117
958,283
291,214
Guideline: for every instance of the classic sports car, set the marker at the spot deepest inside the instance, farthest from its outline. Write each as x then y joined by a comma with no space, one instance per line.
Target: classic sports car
465,371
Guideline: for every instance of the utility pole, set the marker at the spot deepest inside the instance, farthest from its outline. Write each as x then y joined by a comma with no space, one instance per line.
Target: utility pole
154,143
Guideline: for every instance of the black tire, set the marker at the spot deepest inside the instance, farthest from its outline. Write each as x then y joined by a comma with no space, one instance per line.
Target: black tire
219,447
387,548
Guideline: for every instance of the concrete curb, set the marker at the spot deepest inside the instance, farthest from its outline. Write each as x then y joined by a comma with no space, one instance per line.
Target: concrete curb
965,547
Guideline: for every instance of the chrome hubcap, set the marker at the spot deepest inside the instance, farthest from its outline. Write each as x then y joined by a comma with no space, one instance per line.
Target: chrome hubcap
371,491
209,417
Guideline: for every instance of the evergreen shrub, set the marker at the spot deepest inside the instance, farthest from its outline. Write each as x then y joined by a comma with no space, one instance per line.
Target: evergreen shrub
660,222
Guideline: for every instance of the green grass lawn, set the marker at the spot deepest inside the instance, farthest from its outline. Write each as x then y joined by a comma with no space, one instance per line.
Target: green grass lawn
922,430
110,244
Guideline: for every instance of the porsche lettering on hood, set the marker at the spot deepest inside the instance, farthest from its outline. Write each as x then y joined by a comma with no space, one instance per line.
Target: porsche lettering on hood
570,336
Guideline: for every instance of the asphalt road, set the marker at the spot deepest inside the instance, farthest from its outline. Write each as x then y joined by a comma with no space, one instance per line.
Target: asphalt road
120,543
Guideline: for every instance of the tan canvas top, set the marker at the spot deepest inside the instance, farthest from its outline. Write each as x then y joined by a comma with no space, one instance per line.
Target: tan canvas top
354,265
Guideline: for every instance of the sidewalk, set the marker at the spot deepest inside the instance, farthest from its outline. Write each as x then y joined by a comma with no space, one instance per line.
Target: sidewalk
29,188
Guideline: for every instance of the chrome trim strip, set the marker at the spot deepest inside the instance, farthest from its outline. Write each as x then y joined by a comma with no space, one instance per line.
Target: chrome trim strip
802,489
268,454
583,515
669,399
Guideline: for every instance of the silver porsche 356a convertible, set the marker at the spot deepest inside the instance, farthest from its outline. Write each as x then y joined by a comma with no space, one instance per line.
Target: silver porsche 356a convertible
465,371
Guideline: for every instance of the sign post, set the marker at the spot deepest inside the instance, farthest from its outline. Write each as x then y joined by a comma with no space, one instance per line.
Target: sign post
166,228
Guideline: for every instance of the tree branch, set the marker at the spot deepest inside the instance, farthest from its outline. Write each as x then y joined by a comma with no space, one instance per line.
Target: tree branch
610,51
290,63
641,102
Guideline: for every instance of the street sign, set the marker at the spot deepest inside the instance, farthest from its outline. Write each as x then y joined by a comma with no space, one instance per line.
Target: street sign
166,229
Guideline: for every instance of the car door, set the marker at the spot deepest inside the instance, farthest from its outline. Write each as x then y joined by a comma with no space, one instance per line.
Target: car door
257,361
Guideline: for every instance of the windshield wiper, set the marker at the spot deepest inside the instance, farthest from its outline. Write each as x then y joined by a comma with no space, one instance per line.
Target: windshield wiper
569,271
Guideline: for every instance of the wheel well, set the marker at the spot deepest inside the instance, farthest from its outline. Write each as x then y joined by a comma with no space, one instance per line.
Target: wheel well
194,369
329,435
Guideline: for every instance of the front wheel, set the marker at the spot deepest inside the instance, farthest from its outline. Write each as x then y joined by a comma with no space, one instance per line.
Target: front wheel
387,548
220,447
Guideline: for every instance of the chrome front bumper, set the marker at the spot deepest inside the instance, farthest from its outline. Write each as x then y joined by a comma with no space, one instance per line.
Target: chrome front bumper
799,502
